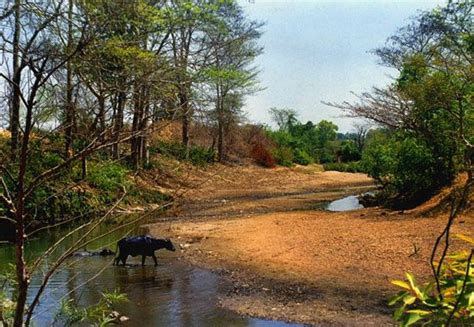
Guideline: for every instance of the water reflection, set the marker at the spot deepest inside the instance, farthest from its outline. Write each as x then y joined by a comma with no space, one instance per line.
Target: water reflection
345,204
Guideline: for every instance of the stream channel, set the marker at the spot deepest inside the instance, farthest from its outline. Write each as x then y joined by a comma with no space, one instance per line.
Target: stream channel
172,294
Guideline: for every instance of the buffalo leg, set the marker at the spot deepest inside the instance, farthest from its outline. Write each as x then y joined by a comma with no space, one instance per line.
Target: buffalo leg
143,260
154,259
124,260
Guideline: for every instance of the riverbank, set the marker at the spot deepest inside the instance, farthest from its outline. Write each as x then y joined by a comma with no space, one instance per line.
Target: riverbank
287,258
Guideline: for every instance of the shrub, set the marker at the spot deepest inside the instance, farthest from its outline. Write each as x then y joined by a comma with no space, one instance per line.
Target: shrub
7,304
201,156
406,169
349,151
262,156
284,156
100,314
198,155
108,176
302,157
422,303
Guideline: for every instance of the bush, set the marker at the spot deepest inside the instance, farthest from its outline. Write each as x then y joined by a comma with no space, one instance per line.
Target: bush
349,151
423,305
108,176
302,157
262,156
284,156
198,155
201,156
406,169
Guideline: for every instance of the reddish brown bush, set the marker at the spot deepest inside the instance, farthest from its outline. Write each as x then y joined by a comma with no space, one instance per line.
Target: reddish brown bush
262,156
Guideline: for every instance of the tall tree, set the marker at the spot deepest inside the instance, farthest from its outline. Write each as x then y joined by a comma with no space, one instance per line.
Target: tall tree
233,49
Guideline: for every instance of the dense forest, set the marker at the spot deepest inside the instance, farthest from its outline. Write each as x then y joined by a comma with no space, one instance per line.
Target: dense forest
90,87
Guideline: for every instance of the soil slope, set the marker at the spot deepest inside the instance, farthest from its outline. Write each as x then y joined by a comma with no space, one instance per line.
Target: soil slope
288,259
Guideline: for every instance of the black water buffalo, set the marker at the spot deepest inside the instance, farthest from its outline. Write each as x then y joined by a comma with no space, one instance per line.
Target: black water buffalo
141,245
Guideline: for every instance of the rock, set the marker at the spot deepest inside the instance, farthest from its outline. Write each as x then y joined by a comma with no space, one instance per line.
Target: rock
124,319
114,314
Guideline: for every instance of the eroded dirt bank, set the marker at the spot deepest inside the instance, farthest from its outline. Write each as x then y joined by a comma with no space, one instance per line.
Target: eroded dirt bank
290,260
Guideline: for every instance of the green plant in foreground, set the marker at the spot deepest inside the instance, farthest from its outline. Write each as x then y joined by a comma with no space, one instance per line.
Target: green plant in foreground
452,303
100,314
7,301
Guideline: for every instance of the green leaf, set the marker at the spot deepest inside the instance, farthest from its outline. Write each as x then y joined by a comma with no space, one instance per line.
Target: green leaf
401,283
398,313
394,299
413,287
420,312
411,318
410,299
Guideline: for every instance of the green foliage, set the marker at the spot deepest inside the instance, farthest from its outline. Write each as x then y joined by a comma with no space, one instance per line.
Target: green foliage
421,304
198,155
100,314
285,118
433,106
349,151
302,158
7,301
284,156
107,176
308,143
49,205
346,167
405,168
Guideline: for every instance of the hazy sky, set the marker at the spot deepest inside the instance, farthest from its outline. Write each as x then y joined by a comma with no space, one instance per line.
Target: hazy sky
319,51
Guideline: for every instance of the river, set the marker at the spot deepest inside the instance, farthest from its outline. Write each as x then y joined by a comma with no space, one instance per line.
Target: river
172,294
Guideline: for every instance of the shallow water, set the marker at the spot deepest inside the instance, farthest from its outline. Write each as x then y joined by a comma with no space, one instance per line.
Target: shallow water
345,204
172,294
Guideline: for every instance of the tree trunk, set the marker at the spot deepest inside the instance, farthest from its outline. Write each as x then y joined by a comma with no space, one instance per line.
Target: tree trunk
220,132
16,78
101,101
185,119
144,153
69,108
84,167
21,269
135,140
118,124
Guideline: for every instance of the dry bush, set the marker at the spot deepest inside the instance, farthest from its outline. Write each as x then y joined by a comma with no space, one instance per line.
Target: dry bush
262,156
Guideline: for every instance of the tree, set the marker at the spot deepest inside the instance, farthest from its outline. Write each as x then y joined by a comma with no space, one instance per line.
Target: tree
431,99
233,48
284,118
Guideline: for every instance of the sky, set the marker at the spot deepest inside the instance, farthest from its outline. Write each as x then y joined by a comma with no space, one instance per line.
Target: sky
320,51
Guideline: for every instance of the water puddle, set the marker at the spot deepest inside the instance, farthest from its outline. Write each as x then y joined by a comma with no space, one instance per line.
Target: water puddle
345,204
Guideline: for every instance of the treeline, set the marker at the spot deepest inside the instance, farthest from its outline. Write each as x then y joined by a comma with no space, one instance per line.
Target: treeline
86,84
109,70
294,142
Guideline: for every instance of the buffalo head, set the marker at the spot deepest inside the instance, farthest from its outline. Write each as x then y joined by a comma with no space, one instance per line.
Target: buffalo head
163,243
168,245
